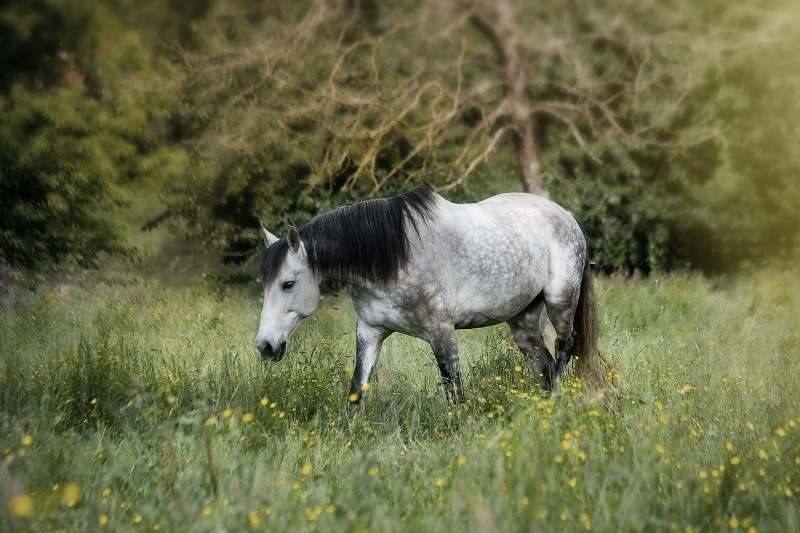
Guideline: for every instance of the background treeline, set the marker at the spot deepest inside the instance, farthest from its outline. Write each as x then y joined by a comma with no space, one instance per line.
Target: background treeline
669,127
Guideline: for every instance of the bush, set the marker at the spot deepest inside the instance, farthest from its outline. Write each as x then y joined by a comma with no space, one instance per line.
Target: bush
58,169
77,132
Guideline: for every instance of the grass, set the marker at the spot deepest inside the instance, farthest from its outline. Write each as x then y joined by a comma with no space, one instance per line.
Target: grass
130,405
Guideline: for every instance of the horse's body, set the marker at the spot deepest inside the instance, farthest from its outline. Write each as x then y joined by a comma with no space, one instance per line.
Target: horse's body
504,259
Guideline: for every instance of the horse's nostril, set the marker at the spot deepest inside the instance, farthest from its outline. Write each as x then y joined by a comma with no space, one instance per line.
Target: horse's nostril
271,352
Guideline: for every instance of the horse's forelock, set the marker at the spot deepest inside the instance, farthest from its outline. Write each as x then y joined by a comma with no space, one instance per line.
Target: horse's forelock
274,257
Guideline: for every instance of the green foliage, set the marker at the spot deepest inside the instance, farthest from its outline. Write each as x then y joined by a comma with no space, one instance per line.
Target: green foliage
744,202
77,132
156,394
273,141
644,131
56,179
41,40
715,187
651,120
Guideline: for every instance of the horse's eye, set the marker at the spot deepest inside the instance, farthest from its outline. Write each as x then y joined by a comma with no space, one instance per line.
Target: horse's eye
287,285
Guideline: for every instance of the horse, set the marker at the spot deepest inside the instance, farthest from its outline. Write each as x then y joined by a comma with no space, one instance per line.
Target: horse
420,265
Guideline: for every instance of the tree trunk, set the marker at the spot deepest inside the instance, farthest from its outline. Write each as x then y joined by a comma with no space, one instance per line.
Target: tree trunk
496,20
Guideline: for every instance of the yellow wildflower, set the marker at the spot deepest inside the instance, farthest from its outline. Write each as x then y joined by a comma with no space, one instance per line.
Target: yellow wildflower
373,471
439,482
660,449
137,518
71,494
735,460
572,482
461,460
227,413
21,506
729,446
103,519
264,402
207,510
586,522
106,492
27,440
253,518
763,455
306,470
733,522
247,418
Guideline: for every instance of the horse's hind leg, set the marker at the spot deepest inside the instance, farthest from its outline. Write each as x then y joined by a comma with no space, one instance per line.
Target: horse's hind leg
561,308
528,336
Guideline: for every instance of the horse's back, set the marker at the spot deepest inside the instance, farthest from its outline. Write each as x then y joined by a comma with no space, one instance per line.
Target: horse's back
532,213
541,224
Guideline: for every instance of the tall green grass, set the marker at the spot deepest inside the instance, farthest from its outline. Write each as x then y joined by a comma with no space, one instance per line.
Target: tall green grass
129,405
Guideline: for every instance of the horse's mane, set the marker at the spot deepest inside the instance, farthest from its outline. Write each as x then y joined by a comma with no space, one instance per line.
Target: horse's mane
367,240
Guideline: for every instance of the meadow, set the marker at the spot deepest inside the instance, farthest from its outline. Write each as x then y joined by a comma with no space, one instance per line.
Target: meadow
130,404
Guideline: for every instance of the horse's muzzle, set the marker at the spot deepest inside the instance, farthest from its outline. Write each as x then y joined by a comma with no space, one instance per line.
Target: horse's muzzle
272,353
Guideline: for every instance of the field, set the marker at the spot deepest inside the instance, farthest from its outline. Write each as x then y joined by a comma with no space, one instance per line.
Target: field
131,404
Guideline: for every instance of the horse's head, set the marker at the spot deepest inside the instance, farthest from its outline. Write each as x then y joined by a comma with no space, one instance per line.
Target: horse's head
291,292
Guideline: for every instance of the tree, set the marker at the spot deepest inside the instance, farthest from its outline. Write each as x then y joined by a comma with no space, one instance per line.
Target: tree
292,107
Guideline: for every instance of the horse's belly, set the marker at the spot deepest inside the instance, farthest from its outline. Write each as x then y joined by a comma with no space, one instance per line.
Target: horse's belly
480,309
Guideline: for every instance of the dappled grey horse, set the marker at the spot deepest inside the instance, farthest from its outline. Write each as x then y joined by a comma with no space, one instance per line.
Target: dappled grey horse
418,264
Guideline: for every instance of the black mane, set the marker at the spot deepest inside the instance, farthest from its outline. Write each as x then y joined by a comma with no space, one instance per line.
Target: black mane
367,240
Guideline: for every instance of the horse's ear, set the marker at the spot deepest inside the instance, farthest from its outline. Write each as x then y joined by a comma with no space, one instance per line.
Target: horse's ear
269,238
293,238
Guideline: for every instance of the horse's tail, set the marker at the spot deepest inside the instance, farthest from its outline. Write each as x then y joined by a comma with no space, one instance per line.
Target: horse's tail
589,363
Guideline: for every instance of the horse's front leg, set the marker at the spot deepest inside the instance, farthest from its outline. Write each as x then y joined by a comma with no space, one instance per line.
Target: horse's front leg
369,340
445,348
